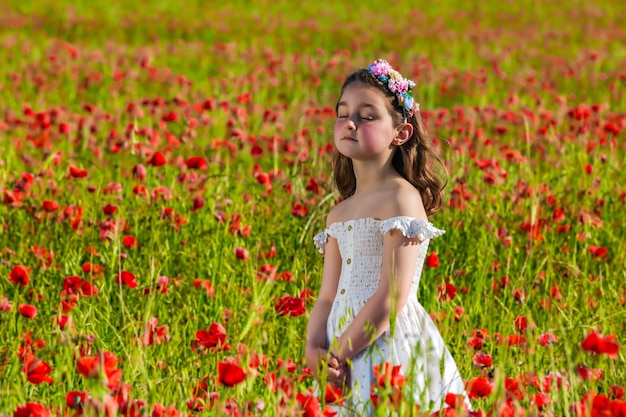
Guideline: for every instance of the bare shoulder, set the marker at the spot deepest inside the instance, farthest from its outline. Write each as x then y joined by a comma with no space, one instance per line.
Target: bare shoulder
404,200
337,213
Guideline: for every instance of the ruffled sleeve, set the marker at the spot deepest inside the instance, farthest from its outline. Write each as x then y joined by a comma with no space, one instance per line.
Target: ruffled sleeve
320,240
411,227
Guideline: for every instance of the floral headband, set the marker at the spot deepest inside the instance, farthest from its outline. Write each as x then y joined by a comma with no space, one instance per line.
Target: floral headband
397,84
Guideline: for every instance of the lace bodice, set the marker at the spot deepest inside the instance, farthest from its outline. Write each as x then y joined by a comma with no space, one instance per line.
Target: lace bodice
360,244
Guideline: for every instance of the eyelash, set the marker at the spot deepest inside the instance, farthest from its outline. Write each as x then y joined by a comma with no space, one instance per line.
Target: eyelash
363,118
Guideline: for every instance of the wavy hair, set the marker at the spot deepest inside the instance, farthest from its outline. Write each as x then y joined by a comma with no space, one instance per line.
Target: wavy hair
414,159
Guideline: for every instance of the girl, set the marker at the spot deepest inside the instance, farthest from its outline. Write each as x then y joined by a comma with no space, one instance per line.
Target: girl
374,248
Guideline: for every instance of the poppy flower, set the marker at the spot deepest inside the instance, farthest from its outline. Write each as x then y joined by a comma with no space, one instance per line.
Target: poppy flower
78,172
479,387
387,374
196,162
5,305
27,310
109,209
598,251
76,399
481,360
210,339
139,172
88,366
50,206
36,370
127,278
299,210
432,260
596,343
31,410
591,374
521,324
154,334
230,374
291,306
447,291
157,160
130,241
19,275
547,339
241,253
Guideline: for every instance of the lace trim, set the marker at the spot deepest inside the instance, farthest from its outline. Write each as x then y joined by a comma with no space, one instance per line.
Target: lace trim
320,240
409,226
412,227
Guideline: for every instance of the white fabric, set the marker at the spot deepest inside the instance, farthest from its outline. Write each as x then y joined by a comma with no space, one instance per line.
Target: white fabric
416,343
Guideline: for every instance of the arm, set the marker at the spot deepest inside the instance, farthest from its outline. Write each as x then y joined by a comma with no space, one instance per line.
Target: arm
316,329
398,266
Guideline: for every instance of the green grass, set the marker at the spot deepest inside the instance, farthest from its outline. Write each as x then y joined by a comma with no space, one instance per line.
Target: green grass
494,81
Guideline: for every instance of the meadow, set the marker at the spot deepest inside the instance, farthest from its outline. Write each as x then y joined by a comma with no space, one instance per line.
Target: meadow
163,169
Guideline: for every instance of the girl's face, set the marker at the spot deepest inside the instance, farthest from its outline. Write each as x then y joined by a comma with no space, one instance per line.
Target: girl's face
364,129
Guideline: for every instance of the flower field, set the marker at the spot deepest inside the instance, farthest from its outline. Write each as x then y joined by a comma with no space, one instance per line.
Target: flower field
163,169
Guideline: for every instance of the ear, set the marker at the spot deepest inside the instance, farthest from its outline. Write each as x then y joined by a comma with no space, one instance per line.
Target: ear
403,133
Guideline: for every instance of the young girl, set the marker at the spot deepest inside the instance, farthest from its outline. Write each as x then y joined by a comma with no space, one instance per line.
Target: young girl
367,312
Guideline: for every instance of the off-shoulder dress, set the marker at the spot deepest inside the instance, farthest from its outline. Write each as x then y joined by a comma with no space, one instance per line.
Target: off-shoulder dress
415,342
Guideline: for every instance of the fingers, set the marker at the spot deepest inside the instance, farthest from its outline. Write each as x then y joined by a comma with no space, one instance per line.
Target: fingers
338,377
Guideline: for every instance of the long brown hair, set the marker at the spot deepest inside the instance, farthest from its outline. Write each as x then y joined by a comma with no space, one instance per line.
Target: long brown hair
413,159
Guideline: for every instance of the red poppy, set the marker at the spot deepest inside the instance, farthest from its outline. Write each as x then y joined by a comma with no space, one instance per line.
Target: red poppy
210,339
617,392
311,406
154,334
157,160
5,305
88,289
31,410
481,360
521,324
598,251
50,205
109,209
241,253
479,387
596,343
333,395
196,162
127,278
387,374
27,310
292,306
76,399
547,339
78,172
447,291
130,241
88,366
299,210
230,374
19,275
36,370
591,374
432,260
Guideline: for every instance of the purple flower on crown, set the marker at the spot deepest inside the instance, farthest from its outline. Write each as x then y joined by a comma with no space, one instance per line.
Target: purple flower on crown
396,83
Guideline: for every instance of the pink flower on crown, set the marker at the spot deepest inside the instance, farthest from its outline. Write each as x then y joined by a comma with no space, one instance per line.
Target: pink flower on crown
380,67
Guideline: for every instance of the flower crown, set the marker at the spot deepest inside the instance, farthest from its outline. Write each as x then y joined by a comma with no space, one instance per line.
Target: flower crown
397,84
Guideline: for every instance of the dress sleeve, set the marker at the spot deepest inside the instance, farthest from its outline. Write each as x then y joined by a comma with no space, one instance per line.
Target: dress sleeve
320,240
411,227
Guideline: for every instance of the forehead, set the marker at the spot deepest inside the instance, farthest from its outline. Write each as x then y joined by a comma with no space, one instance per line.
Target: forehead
358,93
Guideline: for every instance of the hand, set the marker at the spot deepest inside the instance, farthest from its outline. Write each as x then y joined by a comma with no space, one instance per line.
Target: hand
338,374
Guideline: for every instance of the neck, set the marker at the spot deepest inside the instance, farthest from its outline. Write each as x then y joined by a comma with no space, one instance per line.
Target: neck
372,174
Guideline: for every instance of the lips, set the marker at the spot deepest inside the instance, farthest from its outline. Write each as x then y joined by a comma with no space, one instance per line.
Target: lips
348,138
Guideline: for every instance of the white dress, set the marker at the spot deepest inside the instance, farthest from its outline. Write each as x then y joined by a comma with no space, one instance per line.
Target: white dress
416,343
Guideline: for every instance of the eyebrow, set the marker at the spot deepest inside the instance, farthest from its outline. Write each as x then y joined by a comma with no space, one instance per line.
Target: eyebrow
343,103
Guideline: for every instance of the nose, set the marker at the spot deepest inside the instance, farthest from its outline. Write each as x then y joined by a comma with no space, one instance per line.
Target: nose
350,125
